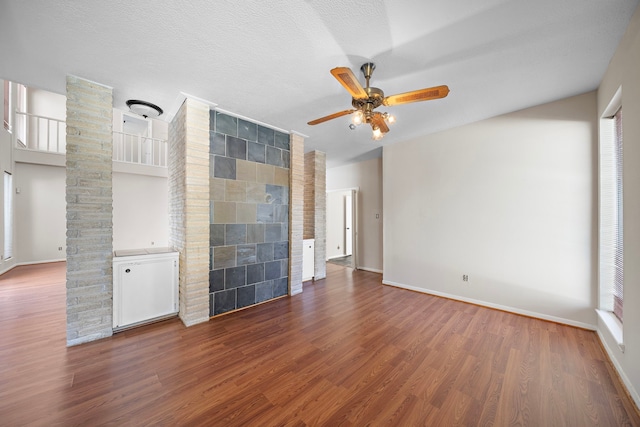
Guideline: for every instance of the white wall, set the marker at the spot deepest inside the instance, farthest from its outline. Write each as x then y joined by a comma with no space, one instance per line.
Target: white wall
47,104
140,211
336,223
40,213
509,201
367,177
624,70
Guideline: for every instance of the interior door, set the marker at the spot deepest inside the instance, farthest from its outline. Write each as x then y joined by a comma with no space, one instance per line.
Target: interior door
348,224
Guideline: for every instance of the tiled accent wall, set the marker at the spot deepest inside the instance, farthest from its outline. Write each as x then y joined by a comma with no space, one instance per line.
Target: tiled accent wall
189,207
249,213
315,208
89,211
296,213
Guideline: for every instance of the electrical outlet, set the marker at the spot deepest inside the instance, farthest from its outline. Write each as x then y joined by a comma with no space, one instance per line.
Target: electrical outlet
59,248
465,278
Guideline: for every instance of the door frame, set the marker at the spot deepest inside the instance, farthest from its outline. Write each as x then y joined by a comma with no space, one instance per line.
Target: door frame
354,220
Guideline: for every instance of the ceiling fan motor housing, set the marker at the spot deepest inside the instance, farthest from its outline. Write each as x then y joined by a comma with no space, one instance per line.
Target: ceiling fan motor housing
373,101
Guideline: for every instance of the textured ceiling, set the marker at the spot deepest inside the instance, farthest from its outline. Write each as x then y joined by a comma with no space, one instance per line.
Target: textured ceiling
269,60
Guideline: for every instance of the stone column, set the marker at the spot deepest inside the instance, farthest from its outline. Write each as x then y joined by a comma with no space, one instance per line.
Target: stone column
189,207
315,208
296,213
89,211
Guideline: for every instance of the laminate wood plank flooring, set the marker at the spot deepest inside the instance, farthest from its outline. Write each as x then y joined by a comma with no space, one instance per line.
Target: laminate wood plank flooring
348,351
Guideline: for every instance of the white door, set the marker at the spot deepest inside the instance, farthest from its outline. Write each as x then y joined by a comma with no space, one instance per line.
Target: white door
348,224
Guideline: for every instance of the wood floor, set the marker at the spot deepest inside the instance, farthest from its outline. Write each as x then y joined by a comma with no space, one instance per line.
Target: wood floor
348,351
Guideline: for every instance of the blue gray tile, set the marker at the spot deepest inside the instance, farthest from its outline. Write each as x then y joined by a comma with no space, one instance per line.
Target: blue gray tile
272,233
280,287
256,152
216,234
281,213
264,291
274,194
266,135
212,120
217,144
246,296
235,276
255,273
282,140
224,167
235,234
265,213
216,280
236,148
286,159
265,252
274,156
255,233
246,254
272,270
280,250
224,301
285,196
224,256
226,124
284,267
247,130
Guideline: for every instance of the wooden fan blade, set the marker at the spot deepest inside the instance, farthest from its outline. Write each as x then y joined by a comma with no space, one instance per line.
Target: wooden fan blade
330,117
347,79
427,94
378,120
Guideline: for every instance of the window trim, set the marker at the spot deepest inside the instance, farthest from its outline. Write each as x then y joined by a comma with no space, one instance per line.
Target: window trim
605,289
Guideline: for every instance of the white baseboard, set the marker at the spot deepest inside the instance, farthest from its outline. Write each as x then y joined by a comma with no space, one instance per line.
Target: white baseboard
373,270
41,262
7,269
496,306
336,256
625,380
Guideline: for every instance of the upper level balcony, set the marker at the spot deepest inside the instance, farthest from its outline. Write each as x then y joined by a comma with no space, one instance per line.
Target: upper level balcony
40,139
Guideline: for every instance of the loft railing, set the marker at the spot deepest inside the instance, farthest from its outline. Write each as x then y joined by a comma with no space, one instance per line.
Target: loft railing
40,133
138,149
46,134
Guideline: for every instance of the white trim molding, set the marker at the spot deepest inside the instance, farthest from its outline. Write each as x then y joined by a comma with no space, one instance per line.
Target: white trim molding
495,306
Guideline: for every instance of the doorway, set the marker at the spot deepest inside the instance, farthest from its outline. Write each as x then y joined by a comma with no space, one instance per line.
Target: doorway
342,247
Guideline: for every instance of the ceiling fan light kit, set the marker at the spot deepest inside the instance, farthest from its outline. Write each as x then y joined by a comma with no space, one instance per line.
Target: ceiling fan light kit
366,99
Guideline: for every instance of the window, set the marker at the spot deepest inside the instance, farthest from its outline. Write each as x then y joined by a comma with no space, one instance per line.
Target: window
7,105
8,215
611,213
21,119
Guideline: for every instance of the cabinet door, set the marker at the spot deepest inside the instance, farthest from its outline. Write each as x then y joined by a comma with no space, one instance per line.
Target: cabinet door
147,290
308,261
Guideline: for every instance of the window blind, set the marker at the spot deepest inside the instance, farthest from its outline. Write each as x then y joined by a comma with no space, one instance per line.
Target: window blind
8,216
611,215
618,284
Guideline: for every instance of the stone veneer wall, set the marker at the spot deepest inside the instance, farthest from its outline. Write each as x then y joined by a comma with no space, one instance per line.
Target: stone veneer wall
89,211
296,213
189,207
315,208
249,213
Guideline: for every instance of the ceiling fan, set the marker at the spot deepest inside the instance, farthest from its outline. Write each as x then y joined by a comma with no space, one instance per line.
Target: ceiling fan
366,99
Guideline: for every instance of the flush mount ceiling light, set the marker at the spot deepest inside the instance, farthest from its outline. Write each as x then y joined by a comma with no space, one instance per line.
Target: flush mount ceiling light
366,99
144,108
